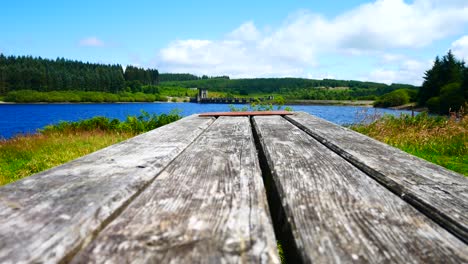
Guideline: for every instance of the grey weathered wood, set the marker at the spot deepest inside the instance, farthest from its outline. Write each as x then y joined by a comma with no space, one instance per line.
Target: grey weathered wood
208,206
439,193
48,216
337,213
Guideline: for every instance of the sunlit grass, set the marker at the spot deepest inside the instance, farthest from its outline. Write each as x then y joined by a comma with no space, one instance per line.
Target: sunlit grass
436,139
22,156
26,155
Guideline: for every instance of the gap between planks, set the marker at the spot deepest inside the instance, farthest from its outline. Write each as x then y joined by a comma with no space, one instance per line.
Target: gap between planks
442,211
392,240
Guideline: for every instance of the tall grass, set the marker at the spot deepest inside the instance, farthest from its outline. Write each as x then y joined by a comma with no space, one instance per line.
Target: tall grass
22,156
26,155
438,139
132,124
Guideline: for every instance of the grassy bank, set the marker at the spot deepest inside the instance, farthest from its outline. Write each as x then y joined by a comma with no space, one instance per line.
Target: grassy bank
22,156
26,155
437,139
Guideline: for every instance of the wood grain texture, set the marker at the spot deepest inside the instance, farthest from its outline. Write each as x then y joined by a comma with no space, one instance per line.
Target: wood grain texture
48,216
339,214
208,206
439,193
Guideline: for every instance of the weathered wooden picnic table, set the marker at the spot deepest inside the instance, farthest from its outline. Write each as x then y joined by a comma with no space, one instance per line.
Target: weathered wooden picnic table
224,189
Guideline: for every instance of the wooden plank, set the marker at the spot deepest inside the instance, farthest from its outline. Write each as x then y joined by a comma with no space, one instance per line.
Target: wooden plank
208,206
439,193
338,214
247,113
48,216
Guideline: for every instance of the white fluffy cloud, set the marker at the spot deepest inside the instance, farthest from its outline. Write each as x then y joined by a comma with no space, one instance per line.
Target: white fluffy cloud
297,47
460,48
406,71
91,42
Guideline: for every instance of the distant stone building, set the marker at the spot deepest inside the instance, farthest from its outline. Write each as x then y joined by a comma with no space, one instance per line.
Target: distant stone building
202,94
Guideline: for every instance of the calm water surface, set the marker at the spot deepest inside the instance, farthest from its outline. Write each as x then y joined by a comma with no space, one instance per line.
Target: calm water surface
27,118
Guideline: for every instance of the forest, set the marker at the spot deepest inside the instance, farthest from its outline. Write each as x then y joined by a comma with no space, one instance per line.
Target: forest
35,79
294,88
45,75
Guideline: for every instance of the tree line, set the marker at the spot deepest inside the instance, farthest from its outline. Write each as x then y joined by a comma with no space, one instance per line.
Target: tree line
177,77
445,86
295,88
44,75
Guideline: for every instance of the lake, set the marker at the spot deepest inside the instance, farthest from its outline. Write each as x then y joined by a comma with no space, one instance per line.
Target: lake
27,118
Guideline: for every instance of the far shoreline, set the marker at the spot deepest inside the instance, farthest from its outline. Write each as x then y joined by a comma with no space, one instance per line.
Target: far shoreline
366,103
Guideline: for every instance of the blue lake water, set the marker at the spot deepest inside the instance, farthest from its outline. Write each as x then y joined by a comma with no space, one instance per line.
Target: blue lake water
27,118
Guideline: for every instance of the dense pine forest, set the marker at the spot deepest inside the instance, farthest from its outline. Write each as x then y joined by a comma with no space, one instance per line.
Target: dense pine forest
170,77
44,75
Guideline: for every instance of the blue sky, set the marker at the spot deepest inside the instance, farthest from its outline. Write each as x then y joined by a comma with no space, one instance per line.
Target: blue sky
384,40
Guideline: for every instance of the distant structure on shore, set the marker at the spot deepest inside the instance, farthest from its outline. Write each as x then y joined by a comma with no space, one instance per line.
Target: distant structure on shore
202,98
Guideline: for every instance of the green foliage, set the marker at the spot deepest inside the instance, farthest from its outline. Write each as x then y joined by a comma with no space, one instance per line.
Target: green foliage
280,251
132,124
44,75
433,104
413,95
22,156
445,85
137,77
28,73
395,98
293,88
177,91
29,96
451,98
437,139
170,77
258,105
233,108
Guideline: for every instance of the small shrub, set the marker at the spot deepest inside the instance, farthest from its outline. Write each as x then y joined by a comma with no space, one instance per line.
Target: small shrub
451,98
433,104
395,98
132,124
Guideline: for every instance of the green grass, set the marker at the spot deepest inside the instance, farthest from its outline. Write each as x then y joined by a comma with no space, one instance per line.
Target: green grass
437,139
26,155
176,91
22,156
280,252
